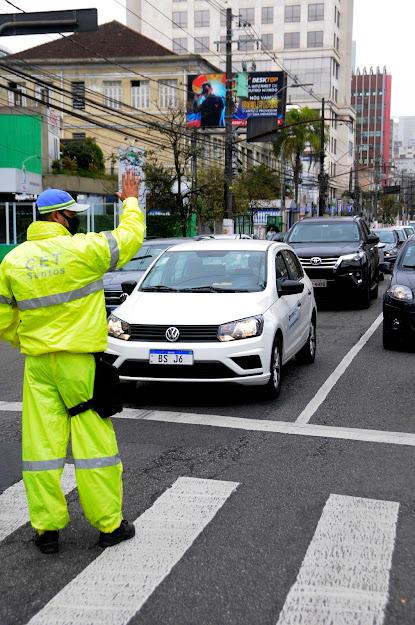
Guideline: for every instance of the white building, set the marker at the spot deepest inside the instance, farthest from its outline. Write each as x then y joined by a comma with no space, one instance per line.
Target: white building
312,40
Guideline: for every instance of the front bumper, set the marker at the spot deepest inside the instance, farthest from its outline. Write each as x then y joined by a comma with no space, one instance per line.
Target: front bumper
243,362
341,280
399,317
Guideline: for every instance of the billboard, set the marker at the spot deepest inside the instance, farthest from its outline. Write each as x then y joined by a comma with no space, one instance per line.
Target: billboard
207,96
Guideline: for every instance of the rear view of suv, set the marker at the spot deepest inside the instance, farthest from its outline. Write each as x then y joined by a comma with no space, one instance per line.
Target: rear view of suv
339,255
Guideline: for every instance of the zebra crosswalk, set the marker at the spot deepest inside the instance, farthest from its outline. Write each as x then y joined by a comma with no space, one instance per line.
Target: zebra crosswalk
343,578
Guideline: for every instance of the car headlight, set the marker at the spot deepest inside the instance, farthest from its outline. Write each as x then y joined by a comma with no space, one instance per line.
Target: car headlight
241,329
118,328
401,292
356,257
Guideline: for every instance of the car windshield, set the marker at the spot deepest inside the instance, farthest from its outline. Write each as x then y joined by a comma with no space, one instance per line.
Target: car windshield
409,230
407,260
315,232
144,258
207,271
385,236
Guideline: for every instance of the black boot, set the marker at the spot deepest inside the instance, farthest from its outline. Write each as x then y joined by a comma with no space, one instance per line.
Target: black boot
48,542
125,531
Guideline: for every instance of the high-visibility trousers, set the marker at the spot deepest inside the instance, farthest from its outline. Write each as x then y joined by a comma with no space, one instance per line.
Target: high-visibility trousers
52,384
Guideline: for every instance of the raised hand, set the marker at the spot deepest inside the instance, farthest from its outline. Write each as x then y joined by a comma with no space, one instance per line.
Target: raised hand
130,182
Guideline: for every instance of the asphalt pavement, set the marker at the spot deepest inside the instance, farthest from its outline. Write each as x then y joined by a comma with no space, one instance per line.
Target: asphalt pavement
299,511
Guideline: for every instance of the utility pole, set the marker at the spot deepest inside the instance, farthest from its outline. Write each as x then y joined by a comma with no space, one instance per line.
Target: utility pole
228,121
322,175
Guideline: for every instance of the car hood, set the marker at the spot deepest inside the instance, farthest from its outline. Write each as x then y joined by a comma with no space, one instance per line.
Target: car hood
406,278
325,250
191,308
390,247
113,279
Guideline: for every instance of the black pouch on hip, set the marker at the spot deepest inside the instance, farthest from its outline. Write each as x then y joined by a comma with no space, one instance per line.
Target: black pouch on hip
107,398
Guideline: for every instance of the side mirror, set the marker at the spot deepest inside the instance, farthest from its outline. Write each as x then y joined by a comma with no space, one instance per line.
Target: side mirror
373,238
128,286
289,287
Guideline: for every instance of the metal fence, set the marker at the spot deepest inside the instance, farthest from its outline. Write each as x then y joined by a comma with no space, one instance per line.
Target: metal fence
15,218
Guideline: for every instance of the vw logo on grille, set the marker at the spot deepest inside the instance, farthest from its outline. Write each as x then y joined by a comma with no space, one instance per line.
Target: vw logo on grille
172,334
316,260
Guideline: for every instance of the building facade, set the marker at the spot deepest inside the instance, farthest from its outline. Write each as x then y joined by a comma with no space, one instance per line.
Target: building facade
371,98
311,40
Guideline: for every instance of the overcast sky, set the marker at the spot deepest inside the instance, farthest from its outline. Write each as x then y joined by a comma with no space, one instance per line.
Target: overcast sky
384,32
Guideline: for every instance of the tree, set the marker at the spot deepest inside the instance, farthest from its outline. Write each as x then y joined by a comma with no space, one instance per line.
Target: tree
255,185
87,154
210,202
390,209
301,131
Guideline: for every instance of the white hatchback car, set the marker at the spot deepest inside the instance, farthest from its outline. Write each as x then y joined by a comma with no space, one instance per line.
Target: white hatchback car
216,311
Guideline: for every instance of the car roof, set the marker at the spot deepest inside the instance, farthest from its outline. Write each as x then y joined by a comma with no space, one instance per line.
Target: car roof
167,241
227,244
328,219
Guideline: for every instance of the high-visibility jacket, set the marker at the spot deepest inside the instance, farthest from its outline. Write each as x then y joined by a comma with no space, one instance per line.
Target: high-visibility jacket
51,289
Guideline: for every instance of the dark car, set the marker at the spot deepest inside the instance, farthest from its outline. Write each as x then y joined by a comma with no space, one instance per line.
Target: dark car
390,238
133,270
398,301
410,231
339,254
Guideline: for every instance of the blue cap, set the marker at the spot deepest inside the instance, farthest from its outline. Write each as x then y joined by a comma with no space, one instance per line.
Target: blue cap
57,200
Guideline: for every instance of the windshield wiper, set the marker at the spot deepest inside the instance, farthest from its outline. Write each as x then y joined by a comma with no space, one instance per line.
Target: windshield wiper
211,289
159,287
409,266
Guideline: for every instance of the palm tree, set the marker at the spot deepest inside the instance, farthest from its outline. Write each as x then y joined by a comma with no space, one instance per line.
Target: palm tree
301,131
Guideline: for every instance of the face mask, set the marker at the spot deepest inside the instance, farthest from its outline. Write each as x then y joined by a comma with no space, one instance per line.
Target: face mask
73,223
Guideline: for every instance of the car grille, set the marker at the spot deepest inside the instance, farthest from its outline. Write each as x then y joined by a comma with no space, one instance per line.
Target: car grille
326,263
195,334
112,298
202,370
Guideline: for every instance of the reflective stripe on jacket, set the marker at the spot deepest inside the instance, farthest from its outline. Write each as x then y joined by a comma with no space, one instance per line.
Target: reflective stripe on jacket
51,290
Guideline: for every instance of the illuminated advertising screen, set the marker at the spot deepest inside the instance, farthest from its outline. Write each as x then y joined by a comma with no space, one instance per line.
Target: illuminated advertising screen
206,103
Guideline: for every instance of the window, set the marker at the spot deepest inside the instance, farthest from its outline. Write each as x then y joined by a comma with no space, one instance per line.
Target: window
281,270
112,93
246,16
201,19
246,43
222,43
180,45
316,12
17,93
294,268
179,19
168,94
42,93
291,40
223,18
78,95
267,41
78,136
292,13
315,39
140,94
267,15
201,44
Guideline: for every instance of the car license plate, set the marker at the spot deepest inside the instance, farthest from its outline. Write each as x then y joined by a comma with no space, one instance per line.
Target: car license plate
319,283
171,357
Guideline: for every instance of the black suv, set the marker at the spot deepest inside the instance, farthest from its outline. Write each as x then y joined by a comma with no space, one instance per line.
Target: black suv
339,254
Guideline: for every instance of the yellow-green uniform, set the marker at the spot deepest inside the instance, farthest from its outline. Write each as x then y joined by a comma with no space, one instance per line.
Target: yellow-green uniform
52,307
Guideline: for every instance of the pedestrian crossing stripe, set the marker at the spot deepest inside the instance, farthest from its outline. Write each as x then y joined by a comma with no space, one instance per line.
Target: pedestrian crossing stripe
112,589
344,577
13,503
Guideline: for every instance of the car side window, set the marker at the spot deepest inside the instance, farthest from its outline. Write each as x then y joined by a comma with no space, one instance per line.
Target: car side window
294,268
281,270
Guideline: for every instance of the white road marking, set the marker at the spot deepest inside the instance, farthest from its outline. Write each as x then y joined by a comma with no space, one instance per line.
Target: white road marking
386,437
277,427
11,406
13,506
344,577
324,390
117,583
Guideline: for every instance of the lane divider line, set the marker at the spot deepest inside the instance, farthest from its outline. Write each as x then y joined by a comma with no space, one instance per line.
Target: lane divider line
344,577
334,377
114,587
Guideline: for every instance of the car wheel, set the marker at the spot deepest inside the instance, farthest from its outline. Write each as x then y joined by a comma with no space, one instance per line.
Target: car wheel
364,297
273,386
307,354
390,339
